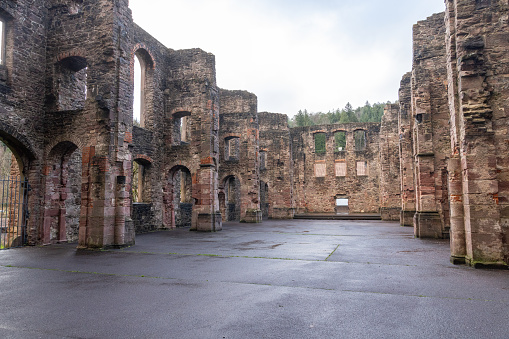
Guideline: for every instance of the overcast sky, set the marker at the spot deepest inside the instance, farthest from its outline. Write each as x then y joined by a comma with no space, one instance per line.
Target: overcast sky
296,54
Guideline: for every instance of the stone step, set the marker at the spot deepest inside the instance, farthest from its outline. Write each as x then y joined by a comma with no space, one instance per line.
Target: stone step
338,216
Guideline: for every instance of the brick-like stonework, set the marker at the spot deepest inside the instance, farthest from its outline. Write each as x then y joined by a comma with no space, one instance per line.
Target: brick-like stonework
458,131
437,162
316,183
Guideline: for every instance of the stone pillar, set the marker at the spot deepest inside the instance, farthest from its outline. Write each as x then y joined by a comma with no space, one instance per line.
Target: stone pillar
405,126
251,188
390,188
206,214
457,233
431,141
481,136
455,175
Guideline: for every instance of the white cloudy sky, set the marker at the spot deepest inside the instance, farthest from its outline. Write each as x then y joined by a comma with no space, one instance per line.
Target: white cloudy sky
296,54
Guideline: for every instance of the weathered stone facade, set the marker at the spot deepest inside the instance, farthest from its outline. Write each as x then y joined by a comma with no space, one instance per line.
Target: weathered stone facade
430,128
390,176
276,166
350,171
202,155
456,137
239,149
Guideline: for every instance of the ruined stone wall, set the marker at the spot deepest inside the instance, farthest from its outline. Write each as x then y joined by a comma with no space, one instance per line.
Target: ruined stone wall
276,171
478,66
191,92
316,174
239,149
86,106
22,75
148,140
390,187
431,140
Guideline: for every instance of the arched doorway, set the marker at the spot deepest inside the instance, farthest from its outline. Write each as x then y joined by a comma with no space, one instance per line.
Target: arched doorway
62,194
14,190
178,199
229,198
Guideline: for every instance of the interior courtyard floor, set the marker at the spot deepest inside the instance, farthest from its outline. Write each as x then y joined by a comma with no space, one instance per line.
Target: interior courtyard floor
278,279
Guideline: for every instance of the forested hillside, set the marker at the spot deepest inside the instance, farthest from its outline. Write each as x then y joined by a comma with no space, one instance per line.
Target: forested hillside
367,113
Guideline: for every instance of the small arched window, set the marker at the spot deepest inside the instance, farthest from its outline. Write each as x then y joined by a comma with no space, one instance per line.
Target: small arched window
231,148
140,176
320,140
71,83
360,140
143,72
181,128
340,141
2,41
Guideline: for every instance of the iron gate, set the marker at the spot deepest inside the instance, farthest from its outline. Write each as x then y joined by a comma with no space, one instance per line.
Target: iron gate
13,212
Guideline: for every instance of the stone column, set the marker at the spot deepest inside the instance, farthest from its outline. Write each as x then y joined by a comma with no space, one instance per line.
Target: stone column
457,233
405,127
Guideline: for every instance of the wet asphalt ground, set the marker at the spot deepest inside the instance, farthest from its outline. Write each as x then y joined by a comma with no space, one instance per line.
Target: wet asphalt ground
279,279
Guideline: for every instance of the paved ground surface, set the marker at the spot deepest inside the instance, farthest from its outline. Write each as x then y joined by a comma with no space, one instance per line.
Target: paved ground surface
281,279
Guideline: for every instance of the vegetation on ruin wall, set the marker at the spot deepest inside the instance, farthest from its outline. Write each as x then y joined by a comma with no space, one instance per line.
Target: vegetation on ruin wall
367,113
5,161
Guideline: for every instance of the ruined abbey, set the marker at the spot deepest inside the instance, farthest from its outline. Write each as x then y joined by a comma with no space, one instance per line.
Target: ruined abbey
202,155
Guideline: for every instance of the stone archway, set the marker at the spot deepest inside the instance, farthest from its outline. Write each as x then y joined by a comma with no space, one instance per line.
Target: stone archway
62,194
14,188
231,188
178,199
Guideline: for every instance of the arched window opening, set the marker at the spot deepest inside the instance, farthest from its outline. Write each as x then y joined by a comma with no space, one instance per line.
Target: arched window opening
137,183
320,140
231,148
340,141
181,128
360,140
182,197
142,88
139,192
2,41
139,93
71,83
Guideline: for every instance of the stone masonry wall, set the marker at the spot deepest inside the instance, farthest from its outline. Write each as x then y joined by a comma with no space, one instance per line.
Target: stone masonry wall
478,66
277,170
239,149
431,128
317,184
21,100
390,188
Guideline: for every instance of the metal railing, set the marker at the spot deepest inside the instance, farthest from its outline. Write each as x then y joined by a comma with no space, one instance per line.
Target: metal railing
13,212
